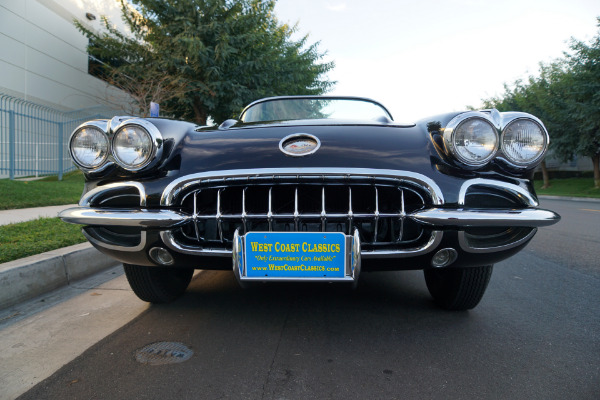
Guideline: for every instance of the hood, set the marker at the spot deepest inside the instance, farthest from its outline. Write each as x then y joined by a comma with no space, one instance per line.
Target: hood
343,144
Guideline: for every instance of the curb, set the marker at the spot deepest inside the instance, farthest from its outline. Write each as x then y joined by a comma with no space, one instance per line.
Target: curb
36,275
590,199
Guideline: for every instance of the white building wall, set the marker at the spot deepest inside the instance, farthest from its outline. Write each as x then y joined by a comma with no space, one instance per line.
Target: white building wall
43,56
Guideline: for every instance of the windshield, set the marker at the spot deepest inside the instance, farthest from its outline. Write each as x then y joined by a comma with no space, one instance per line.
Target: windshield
284,109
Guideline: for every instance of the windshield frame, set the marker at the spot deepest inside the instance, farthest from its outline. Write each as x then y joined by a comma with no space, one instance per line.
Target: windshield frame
312,97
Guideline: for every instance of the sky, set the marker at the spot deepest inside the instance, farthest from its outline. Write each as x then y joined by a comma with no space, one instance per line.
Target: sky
426,57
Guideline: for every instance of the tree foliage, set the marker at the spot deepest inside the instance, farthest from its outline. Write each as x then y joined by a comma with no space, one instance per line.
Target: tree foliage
566,97
203,58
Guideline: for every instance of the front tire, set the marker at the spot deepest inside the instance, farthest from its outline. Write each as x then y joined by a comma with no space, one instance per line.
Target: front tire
458,288
157,284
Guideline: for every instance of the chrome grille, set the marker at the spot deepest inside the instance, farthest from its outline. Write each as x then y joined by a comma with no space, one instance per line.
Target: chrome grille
376,206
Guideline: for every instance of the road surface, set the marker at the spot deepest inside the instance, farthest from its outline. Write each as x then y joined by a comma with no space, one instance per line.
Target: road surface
535,335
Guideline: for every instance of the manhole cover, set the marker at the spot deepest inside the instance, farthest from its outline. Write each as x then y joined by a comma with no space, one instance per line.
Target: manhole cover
161,353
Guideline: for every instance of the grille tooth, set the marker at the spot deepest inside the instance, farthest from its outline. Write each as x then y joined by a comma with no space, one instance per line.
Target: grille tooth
378,208
244,215
218,216
323,212
376,215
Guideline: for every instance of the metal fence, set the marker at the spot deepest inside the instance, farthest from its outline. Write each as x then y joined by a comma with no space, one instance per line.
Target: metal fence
34,138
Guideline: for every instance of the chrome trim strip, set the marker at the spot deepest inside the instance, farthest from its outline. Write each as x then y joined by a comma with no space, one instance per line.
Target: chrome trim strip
523,194
97,242
116,121
117,217
237,258
402,217
88,198
312,97
464,243
169,241
179,184
485,218
434,241
433,217
355,256
299,215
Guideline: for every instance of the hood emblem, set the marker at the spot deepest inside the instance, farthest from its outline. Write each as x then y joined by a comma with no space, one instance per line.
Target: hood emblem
299,144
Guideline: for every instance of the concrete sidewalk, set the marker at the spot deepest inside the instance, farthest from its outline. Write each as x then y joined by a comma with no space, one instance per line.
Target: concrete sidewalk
28,214
33,276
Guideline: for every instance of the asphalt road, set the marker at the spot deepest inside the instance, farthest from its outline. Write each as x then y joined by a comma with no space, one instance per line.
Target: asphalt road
535,335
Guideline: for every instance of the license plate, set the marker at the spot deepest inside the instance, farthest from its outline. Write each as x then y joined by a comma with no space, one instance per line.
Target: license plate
295,255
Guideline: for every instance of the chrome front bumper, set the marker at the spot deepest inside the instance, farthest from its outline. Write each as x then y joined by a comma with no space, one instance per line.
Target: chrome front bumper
435,217
520,223
161,219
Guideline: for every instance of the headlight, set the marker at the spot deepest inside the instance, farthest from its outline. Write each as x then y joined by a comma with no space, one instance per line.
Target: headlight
523,142
133,147
89,147
475,141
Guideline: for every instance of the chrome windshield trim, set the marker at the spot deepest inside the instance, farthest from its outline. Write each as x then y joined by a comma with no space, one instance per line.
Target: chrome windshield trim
173,189
118,217
105,245
464,243
88,198
523,194
485,218
313,97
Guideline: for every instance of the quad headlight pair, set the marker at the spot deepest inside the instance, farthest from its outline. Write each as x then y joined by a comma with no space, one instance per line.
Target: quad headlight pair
134,145
474,139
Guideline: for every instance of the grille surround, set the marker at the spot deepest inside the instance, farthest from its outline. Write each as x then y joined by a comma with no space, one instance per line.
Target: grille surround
413,190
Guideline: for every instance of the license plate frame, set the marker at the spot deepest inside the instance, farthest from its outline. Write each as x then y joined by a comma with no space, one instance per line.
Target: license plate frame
295,256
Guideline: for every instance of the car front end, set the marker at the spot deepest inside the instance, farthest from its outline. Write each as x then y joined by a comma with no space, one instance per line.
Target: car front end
312,199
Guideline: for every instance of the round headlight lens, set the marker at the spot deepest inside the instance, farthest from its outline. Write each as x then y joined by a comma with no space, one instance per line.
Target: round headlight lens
89,147
132,147
475,141
523,141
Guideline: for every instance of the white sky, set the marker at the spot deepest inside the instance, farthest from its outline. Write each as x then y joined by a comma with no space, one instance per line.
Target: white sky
421,58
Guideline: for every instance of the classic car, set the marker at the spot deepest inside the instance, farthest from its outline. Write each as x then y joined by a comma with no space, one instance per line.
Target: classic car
311,188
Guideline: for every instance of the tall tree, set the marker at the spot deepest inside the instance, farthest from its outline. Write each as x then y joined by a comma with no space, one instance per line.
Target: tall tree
584,94
207,57
566,96
542,96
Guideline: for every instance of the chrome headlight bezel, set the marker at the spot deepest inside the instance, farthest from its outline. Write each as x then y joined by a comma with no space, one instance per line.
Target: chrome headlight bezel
109,128
453,127
506,158
156,142
100,126
500,123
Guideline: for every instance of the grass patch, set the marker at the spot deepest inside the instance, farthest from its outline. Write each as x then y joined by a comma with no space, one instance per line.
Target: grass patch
48,191
37,236
571,187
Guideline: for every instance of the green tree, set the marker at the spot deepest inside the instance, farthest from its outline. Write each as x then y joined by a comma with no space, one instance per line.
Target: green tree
542,96
203,58
566,97
583,93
